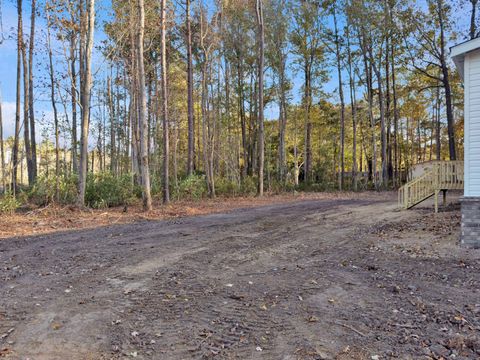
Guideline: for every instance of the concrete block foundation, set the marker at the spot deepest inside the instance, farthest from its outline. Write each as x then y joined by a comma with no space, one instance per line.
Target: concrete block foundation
471,222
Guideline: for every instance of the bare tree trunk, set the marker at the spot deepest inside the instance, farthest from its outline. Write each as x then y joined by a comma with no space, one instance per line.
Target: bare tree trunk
166,151
241,106
308,125
438,135
204,126
432,130
354,113
149,80
374,157
142,108
383,180
446,84
100,146
111,107
473,25
251,139
383,133
230,152
133,129
419,142
449,110
282,158
86,87
175,151
211,140
54,107
191,123
342,105
388,121
372,162
133,105
396,161
296,168
33,141
118,135
22,155
207,133
18,99
400,141
26,127
2,150
261,135
73,90
63,134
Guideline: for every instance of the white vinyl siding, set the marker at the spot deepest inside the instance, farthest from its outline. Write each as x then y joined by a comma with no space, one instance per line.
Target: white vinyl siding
472,123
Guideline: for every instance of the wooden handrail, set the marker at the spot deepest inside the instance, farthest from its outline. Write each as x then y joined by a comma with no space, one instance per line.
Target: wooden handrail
444,175
448,175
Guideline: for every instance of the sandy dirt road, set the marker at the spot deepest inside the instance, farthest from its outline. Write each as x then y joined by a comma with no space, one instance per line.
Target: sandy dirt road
322,279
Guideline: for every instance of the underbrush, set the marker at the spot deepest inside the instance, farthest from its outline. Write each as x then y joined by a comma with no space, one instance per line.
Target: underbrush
231,188
316,187
105,189
192,187
8,204
227,187
102,190
44,190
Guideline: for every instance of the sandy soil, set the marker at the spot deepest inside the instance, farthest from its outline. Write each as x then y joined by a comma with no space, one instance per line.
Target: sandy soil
326,278
32,220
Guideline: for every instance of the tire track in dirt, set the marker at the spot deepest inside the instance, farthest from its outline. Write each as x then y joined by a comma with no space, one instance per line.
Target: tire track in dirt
282,281
213,315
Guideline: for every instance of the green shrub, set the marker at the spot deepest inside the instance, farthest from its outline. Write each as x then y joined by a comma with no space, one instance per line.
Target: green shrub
193,187
68,189
317,187
226,187
107,190
155,184
8,204
248,186
43,192
278,187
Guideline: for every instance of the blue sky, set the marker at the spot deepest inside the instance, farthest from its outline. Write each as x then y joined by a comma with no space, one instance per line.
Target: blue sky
8,58
42,103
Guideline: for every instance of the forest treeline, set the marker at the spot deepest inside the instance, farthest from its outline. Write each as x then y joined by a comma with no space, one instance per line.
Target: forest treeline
202,97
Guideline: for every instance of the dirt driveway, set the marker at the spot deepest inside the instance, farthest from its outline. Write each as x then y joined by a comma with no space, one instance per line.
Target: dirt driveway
323,279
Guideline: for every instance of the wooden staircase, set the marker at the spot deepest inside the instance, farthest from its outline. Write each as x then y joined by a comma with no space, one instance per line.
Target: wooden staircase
442,176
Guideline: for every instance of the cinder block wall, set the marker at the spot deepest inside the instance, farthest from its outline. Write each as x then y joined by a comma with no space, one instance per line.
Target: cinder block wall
471,222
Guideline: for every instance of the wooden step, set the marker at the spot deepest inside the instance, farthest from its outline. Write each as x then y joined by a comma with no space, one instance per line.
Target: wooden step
443,175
